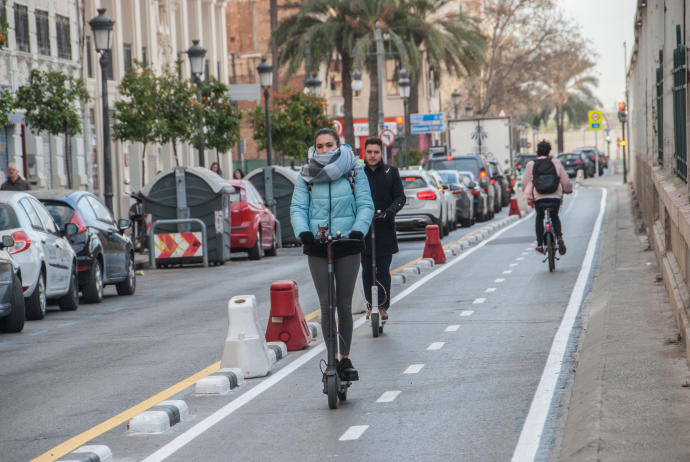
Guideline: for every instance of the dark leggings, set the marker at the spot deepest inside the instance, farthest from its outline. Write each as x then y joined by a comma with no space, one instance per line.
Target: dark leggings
541,205
346,269
383,275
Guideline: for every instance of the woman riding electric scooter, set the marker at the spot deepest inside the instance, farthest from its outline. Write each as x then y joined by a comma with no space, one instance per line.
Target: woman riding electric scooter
332,198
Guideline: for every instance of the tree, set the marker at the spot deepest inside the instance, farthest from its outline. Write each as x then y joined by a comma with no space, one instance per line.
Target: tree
179,112
6,105
136,114
221,117
294,119
49,100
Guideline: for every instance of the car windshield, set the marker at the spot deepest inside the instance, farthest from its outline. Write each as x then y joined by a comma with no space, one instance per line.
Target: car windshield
525,159
412,182
449,177
61,213
8,219
464,163
569,157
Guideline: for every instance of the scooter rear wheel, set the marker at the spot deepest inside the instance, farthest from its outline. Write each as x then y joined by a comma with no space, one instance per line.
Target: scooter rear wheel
375,324
332,391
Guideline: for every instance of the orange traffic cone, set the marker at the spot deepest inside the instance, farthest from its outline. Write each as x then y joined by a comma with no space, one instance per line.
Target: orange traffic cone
514,208
433,247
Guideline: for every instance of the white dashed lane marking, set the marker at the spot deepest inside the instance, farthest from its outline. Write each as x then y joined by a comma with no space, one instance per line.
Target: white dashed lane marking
452,328
507,271
354,432
513,265
388,396
467,313
519,258
436,346
499,280
414,369
477,301
490,289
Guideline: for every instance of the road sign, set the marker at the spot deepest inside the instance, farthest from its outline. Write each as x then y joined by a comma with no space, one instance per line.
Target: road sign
417,129
595,120
502,113
339,127
387,137
426,118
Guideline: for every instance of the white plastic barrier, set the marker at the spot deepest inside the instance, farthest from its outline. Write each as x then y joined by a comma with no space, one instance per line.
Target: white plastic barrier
245,344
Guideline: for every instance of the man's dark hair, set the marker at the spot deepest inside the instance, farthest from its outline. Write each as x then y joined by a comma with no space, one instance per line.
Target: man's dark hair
327,131
543,148
373,140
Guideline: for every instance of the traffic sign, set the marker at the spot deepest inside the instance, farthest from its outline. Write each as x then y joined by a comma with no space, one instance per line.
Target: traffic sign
338,125
502,112
595,119
416,129
426,118
387,137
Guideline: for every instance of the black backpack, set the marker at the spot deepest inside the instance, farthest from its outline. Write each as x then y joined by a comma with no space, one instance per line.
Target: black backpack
544,176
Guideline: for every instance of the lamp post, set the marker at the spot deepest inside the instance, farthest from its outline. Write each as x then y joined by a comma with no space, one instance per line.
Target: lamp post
313,87
357,83
455,97
266,77
196,55
102,28
404,91
379,73
468,111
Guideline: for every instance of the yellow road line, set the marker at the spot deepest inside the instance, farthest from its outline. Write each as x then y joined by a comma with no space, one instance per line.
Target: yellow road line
83,438
312,315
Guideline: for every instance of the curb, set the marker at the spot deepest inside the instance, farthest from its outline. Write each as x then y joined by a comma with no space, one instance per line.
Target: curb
279,350
160,418
89,453
220,382
315,329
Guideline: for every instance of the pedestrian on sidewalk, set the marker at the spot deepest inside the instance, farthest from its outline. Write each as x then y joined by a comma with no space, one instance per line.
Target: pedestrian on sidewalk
14,181
332,192
544,183
389,197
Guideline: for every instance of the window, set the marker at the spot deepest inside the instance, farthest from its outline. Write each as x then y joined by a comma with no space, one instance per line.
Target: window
127,55
89,63
86,211
21,27
46,219
102,213
3,11
144,56
61,212
31,213
64,38
8,219
42,32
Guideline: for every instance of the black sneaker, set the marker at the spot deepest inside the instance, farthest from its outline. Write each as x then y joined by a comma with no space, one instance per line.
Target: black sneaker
561,246
347,371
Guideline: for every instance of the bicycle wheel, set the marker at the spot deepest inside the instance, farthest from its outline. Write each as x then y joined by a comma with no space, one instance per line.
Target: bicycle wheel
375,324
332,391
551,252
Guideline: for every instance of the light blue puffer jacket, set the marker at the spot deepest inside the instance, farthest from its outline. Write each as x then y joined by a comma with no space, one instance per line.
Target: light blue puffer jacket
332,204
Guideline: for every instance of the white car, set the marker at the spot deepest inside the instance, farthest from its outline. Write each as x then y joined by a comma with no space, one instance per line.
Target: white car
424,204
449,200
46,259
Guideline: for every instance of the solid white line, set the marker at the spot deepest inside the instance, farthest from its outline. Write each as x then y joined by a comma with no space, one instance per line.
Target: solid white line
414,369
452,328
500,280
388,396
354,432
189,435
507,271
467,313
436,346
528,444
477,301
490,289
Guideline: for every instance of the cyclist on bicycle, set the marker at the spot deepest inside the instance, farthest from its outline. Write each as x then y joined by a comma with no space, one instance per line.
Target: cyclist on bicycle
332,193
544,183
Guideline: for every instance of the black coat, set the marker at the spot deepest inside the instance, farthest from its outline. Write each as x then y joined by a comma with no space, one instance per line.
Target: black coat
388,194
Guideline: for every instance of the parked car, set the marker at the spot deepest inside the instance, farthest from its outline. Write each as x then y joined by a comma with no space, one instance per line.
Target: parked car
574,161
104,254
424,205
502,182
522,159
481,198
253,225
591,153
449,200
464,205
476,164
47,262
12,308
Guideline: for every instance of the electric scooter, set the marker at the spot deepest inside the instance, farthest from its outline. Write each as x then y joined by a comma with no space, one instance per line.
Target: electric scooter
333,387
375,317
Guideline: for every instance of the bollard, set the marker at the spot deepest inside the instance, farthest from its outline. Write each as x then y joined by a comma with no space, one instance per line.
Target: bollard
433,247
286,322
245,348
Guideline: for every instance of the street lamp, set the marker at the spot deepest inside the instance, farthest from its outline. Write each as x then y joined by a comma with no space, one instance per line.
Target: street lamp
266,78
102,28
468,110
357,83
455,97
196,55
404,91
313,87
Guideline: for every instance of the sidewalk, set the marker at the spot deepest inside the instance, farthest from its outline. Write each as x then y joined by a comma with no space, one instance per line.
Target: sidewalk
628,401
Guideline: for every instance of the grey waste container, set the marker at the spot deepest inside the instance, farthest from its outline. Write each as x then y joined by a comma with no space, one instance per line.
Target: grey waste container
190,192
284,180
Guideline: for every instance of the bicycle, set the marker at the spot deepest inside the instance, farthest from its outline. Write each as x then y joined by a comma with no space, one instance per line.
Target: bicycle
549,241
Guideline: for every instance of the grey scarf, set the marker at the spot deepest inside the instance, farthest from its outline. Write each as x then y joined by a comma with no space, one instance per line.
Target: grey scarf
324,168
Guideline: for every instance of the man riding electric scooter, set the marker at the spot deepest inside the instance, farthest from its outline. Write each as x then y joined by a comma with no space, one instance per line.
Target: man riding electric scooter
389,197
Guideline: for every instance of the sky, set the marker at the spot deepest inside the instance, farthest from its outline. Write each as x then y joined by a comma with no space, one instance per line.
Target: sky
607,24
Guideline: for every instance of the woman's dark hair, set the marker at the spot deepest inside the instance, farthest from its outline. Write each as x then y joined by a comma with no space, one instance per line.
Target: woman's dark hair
327,131
543,148
220,172
238,170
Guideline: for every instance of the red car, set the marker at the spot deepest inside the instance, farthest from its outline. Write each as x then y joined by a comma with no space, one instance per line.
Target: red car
253,225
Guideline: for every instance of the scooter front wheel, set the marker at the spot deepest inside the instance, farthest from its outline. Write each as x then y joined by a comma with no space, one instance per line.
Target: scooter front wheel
332,391
375,324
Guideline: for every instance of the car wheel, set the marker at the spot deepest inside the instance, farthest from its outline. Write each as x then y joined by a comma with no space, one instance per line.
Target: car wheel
36,303
255,252
70,301
14,322
93,292
273,251
129,285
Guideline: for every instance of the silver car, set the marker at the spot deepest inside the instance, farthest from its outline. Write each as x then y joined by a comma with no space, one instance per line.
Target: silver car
425,204
449,199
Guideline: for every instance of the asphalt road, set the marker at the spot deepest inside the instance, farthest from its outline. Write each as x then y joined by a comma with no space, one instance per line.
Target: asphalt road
73,370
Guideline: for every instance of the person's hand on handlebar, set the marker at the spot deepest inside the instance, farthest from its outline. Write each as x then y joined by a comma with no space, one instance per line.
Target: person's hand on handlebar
307,237
357,235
